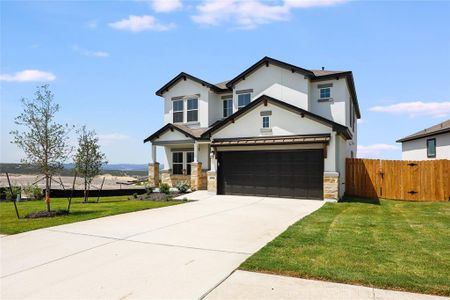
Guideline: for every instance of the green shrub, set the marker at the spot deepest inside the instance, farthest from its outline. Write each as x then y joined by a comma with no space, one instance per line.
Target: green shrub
33,191
148,189
135,195
15,191
183,186
164,188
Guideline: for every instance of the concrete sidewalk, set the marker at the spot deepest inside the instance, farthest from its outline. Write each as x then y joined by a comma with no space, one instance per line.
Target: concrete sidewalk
176,252
250,285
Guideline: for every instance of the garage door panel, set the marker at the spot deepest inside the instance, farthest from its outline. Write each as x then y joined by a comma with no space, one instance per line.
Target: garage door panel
294,174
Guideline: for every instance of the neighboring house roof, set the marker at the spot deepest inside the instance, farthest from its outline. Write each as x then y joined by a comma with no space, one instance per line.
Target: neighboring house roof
185,76
273,140
433,130
304,113
226,86
194,133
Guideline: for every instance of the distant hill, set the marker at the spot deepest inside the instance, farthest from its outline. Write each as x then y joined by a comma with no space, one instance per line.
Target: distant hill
113,169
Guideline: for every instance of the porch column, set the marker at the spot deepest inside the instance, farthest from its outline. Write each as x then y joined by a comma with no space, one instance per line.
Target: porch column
212,175
154,154
153,169
196,176
195,152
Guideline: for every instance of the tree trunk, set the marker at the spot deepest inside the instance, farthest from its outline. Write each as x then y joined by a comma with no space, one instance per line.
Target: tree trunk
47,192
85,190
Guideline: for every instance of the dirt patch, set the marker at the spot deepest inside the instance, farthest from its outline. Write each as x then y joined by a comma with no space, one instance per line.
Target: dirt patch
46,214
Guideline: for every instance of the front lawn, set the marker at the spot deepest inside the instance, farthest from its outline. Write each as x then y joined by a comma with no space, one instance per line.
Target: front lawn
107,206
387,244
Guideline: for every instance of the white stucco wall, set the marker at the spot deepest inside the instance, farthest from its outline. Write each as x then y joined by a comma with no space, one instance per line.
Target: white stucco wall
275,82
187,88
341,155
333,110
417,149
283,122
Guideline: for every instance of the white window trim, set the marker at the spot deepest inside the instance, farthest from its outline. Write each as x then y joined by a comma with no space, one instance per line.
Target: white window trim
237,99
223,110
320,93
184,163
268,118
174,111
188,110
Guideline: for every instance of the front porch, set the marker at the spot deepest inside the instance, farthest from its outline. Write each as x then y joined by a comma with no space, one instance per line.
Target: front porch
185,157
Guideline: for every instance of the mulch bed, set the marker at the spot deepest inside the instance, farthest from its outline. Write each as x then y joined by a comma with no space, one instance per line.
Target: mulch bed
46,214
157,197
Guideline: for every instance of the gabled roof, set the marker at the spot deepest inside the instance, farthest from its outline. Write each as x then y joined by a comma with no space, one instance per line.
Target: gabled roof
266,61
433,130
304,113
313,75
194,133
185,76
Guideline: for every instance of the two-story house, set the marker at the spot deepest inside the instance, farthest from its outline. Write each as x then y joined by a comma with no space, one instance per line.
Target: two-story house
274,130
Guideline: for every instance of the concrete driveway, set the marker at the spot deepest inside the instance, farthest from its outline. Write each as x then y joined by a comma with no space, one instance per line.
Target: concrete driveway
181,251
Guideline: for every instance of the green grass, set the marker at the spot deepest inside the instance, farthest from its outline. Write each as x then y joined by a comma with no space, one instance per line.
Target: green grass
387,244
107,206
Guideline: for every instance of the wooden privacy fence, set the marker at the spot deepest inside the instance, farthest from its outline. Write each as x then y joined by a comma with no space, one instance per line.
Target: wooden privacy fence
398,179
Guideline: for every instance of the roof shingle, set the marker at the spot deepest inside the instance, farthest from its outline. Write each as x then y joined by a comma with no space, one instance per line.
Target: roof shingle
436,129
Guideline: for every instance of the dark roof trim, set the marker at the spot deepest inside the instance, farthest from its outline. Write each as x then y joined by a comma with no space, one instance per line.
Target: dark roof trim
164,129
423,135
266,61
336,127
185,76
273,140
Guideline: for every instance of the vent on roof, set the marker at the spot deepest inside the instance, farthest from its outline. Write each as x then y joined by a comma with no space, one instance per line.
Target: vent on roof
323,68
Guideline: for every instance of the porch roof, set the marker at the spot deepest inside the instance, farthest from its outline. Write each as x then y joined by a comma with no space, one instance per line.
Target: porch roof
273,140
194,133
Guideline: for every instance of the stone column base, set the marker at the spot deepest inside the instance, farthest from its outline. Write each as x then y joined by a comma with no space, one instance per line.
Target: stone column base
212,181
331,186
153,174
196,176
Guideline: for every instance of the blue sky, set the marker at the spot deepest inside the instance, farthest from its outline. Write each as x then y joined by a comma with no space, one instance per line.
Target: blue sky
104,60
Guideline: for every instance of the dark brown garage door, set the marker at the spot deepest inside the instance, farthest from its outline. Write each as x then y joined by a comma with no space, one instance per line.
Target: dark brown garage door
292,174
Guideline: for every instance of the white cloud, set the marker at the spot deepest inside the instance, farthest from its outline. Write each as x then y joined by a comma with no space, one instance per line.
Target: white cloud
166,5
28,75
141,23
416,109
312,3
375,149
111,138
248,14
90,52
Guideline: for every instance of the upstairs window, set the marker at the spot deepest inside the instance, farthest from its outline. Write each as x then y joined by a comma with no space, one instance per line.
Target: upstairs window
266,122
192,110
227,107
431,148
178,110
325,93
243,100
177,163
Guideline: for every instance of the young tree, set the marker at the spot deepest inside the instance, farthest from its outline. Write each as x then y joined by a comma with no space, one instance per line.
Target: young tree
44,141
88,158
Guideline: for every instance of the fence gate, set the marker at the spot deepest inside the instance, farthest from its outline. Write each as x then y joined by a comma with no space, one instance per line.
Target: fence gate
398,179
